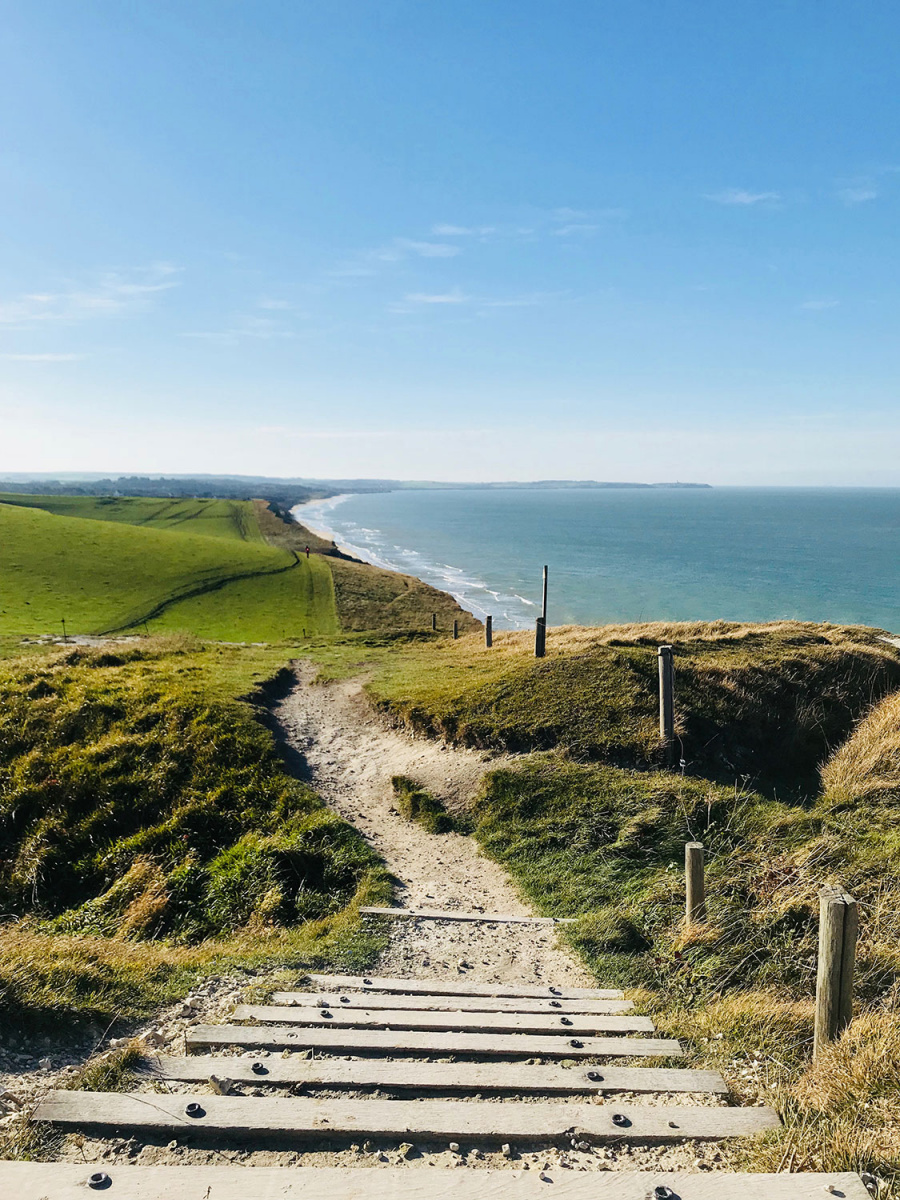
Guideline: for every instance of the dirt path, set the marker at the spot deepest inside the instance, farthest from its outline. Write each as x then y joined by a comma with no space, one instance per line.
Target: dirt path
350,754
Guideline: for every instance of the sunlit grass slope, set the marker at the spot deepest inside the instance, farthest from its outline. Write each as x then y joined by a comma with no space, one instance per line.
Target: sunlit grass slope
104,575
143,809
211,518
269,608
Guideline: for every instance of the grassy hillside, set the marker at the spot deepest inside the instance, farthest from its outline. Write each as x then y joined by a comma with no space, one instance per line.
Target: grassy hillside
103,576
139,801
211,518
229,570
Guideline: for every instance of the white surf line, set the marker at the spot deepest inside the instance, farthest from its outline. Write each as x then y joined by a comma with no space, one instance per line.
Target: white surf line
431,574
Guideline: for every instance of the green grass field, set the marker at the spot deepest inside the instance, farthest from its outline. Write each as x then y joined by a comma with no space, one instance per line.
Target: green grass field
211,518
220,569
108,575
274,608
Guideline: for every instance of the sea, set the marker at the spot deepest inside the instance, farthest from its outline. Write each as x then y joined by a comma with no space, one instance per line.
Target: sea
636,554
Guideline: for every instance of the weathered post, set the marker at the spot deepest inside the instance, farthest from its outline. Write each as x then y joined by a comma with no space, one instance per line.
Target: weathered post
456,629
65,639
848,960
694,884
540,637
667,702
488,631
838,928
433,622
544,600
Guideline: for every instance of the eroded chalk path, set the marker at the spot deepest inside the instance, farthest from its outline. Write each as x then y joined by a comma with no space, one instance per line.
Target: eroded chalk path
351,754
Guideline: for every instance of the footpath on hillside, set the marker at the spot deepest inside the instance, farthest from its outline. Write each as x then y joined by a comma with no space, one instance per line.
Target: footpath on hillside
351,756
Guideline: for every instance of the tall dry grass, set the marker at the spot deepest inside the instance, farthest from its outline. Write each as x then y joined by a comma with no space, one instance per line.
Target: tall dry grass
867,766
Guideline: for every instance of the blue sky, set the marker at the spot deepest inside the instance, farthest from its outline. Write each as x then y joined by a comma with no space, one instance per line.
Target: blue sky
458,240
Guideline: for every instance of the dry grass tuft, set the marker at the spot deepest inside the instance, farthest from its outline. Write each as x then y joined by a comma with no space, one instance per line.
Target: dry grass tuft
867,766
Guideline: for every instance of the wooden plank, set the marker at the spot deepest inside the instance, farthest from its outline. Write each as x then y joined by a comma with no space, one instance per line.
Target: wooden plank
542,1122
416,1041
66,1181
364,1018
350,1000
461,987
439,914
434,1077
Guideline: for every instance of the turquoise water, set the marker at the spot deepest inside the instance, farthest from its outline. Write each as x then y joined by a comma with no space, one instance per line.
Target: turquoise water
631,555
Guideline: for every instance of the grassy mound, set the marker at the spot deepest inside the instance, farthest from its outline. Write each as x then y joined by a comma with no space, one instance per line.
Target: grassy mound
416,804
763,701
139,801
866,769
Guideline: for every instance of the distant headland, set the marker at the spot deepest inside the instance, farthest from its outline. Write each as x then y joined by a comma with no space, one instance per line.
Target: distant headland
285,491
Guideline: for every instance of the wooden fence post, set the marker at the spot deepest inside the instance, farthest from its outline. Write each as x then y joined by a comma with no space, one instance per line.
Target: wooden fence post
838,927
694,883
667,702
540,637
433,621
456,629
489,631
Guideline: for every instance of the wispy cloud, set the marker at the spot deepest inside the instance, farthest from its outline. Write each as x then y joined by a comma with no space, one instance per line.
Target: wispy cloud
42,357
526,300
371,262
578,222
113,292
743,198
427,249
819,305
463,230
453,297
578,227
858,193
268,302
242,327
480,304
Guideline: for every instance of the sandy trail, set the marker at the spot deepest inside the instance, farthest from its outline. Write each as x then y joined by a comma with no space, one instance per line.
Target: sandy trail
350,754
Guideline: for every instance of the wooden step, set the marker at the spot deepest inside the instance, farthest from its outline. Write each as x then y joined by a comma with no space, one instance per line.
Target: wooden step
362,1018
68,1181
414,1041
460,987
299,1117
443,1077
438,914
351,1000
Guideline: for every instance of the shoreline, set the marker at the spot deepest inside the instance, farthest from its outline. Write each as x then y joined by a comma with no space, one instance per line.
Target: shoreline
366,555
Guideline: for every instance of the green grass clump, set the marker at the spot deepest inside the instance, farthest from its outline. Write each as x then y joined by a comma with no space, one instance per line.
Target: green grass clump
114,1071
416,804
